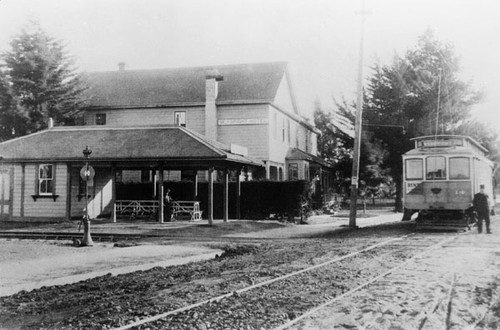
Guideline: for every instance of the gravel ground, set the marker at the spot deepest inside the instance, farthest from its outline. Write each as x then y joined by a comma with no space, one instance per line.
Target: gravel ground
455,287
416,296
111,301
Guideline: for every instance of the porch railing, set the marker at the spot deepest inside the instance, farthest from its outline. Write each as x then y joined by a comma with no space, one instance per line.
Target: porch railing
134,208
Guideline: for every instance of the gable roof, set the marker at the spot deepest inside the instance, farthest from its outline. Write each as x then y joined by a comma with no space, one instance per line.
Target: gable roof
243,83
173,143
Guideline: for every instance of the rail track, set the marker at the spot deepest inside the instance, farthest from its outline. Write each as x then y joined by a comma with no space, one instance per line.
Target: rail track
106,237
280,302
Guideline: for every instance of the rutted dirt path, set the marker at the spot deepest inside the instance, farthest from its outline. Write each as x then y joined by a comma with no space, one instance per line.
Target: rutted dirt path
455,287
450,288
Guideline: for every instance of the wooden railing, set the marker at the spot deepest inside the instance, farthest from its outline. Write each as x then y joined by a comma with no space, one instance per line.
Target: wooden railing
191,209
149,208
134,209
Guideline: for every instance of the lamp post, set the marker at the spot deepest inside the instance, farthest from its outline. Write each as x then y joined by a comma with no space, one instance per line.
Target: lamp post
87,175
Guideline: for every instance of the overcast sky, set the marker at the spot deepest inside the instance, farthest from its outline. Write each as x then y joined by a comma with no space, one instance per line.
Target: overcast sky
319,38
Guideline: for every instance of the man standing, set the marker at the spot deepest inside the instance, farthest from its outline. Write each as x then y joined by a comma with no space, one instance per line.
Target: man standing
168,206
481,205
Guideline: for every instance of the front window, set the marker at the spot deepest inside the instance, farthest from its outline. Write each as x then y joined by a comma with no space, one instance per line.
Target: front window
100,119
436,168
273,173
45,180
293,171
459,168
414,169
180,118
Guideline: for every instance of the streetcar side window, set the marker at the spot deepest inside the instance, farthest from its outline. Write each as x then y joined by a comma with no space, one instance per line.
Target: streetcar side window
436,168
414,169
459,168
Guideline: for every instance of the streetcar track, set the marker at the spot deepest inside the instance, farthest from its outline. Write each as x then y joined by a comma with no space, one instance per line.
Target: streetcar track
163,315
361,286
397,242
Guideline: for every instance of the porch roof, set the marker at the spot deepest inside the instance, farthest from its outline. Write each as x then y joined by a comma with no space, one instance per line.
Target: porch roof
124,144
297,154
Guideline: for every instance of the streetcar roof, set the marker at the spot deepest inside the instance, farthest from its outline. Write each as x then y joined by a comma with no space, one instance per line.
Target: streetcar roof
472,141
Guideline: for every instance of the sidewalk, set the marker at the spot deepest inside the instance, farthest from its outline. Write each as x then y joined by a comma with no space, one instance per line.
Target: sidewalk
322,223
155,229
56,264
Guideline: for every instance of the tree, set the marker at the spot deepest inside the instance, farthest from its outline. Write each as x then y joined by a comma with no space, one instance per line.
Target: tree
418,94
37,82
335,143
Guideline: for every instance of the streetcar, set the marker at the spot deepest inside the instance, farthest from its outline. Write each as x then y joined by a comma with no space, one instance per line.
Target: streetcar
440,177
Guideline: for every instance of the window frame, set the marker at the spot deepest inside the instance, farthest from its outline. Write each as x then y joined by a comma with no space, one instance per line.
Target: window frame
293,168
421,169
178,115
450,167
445,174
45,179
100,118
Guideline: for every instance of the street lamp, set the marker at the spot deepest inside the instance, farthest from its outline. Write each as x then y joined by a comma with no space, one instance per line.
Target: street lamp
87,174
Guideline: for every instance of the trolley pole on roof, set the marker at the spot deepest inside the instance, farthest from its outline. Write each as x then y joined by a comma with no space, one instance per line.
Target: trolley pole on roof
357,126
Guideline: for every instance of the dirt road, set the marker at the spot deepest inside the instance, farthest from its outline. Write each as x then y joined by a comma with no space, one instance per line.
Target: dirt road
453,287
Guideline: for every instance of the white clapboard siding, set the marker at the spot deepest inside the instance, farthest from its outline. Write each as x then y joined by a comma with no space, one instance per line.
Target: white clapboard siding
16,207
101,194
45,207
195,117
278,147
252,136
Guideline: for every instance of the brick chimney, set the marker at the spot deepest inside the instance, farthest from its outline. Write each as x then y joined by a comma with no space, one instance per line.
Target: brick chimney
212,79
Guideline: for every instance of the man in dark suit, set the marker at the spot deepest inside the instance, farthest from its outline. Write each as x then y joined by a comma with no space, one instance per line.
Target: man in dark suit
481,205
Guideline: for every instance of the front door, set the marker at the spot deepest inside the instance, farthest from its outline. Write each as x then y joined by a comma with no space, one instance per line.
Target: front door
5,195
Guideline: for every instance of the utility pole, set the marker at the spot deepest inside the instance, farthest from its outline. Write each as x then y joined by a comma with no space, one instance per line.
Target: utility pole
357,126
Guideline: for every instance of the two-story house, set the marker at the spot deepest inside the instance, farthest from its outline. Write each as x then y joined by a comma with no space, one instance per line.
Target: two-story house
247,105
156,125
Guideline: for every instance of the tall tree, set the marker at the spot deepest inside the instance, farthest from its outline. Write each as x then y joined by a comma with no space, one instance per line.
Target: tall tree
335,143
418,94
38,81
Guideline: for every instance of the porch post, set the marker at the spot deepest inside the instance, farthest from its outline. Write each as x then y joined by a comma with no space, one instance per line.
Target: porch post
160,195
210,196
195,186
226,195
68,191
238,194
113,191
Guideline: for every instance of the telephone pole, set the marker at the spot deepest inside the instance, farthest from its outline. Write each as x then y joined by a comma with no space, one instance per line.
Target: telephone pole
357,125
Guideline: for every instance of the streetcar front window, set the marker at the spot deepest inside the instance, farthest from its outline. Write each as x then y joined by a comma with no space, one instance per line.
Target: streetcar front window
459,168
436,168
414,169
